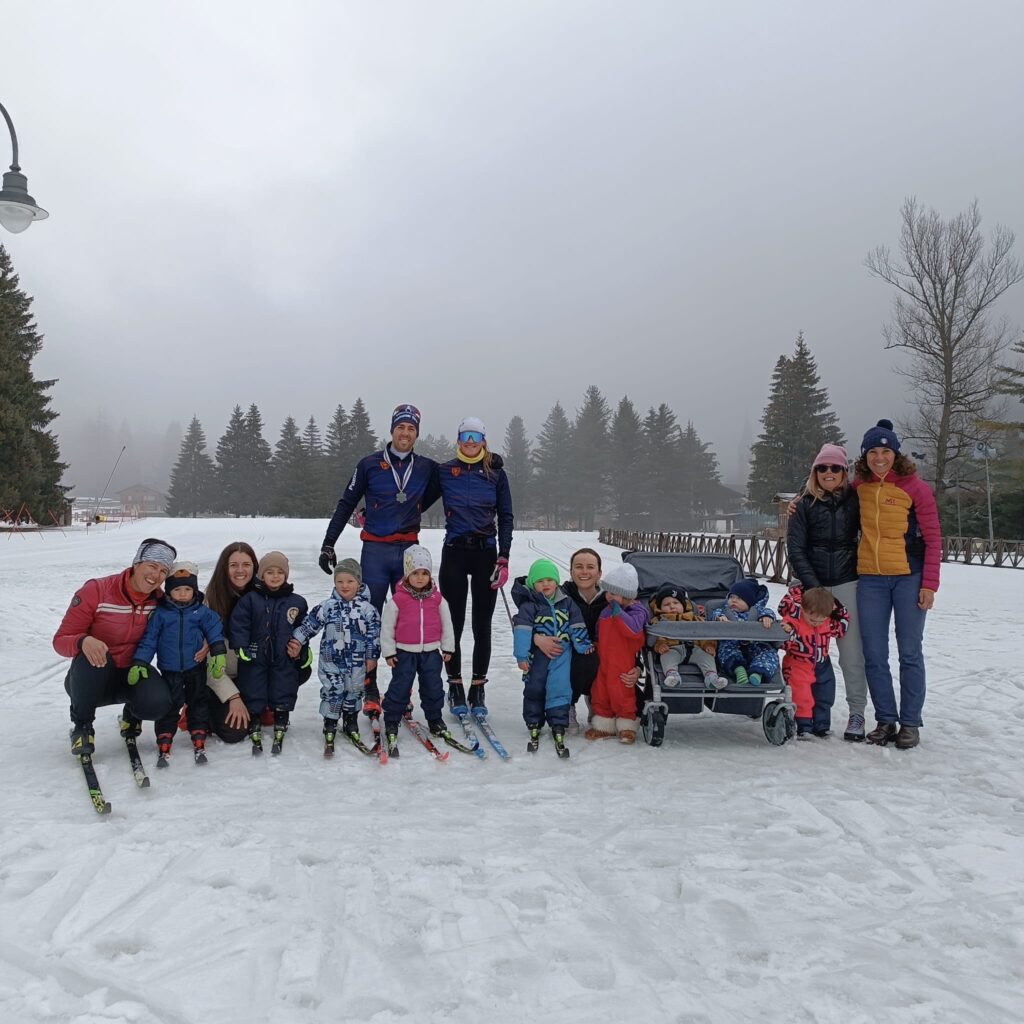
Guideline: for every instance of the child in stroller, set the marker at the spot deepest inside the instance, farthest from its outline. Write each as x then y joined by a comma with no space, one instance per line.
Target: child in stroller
673,604
747,661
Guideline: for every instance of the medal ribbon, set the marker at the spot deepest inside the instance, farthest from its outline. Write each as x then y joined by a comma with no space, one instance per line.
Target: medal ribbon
400,482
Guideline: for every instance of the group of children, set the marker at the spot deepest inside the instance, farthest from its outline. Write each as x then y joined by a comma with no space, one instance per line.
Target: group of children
271,629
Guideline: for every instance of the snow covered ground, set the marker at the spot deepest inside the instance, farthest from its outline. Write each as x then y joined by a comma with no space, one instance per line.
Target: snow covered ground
717,879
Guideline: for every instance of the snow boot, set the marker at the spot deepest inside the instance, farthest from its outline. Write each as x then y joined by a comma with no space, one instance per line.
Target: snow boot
908,737
672,679
883,733
741,675
854,729
627,736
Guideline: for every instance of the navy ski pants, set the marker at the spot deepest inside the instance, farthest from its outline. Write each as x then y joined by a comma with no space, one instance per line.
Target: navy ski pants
425,664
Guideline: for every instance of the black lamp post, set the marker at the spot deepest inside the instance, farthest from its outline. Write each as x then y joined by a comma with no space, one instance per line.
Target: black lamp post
17,208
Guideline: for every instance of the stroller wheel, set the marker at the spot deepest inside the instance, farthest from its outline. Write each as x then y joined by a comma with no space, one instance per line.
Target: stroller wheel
776,724
653,726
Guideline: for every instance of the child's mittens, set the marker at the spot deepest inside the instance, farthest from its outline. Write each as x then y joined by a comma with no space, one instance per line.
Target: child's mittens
140,670
217,666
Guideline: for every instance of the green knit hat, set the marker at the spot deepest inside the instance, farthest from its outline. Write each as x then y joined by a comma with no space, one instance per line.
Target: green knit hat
542,569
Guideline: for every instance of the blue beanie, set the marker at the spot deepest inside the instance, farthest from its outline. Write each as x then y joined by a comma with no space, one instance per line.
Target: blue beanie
746,591
406,414
880,436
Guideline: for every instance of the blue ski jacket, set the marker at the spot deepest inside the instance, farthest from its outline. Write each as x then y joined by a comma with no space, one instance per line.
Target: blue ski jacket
474,500
263,621
387,518
176,631
560,618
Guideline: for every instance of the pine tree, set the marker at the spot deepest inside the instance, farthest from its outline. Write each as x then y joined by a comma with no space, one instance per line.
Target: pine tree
257,497
626,469
193,478
320,487
663,491
797,421
588,483
30,466
552,460
699,479
363,440
290,483
233,465
518,466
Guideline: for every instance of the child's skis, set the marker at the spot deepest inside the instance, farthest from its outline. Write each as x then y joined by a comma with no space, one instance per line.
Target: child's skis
414,727
101,805
480,718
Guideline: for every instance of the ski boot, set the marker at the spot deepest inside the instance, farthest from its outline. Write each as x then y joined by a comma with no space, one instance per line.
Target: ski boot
438,728
350,723
163,748
280,728
476,694
82,739
330,731
534,742
131,728
391,738
199,745
371,696
558,735
256,734
183,720
456,693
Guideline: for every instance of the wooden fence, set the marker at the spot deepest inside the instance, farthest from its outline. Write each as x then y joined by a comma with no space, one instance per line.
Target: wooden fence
766,557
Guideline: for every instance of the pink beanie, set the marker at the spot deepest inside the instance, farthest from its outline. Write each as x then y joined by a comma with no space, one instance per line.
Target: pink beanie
831,455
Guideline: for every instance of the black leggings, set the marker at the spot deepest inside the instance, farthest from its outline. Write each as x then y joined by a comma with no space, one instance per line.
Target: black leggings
477,564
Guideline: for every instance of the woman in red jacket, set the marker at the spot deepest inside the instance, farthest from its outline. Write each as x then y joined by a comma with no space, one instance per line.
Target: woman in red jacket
100,631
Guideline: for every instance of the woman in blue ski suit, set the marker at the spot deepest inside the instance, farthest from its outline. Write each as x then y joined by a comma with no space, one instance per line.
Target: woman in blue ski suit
474,559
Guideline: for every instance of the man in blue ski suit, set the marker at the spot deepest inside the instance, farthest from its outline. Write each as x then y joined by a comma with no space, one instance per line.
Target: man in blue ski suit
398,486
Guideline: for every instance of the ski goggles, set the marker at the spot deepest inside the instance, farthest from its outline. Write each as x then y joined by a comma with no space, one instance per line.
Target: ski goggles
830,469
471,437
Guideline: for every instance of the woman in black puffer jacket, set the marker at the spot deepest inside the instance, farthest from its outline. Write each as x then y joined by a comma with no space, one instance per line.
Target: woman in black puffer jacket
822,545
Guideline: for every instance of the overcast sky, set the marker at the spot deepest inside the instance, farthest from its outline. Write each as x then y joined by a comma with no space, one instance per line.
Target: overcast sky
482,207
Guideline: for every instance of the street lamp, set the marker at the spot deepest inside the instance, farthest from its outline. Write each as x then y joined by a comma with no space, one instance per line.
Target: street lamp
983,451
17,208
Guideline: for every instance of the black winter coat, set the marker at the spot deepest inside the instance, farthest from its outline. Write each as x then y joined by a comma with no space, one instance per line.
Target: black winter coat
583,669
822,539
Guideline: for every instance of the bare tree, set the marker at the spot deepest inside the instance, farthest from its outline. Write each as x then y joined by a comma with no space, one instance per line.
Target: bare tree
947,282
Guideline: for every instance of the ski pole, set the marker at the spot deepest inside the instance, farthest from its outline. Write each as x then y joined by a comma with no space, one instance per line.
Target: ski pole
508,611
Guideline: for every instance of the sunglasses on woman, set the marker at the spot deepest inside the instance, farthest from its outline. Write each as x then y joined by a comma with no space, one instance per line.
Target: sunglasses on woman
471,437
830,469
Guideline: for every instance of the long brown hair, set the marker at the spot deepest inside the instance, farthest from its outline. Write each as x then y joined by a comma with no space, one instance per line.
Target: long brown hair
220,595
901,466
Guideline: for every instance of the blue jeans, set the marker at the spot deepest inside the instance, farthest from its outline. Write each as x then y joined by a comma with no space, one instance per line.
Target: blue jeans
879,598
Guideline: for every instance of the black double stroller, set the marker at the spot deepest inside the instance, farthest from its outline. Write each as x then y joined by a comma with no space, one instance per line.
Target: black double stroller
706,579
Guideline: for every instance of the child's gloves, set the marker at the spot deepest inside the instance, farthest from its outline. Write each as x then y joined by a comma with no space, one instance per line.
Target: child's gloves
327,559
500,575
308,660
139,670
248,653
217,666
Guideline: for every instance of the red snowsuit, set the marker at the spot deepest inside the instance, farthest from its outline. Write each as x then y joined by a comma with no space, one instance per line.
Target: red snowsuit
620,635
807,645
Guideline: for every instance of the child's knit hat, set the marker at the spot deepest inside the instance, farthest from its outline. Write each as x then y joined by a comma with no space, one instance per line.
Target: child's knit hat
670,590
350,567
746,591
416,557
880,436
183,574
273,560
622,580
542,569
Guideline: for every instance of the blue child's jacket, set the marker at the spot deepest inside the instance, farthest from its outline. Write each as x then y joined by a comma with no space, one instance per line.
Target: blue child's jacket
175,632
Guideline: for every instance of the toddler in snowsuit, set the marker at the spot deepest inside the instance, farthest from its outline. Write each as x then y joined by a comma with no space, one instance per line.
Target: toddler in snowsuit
544,608
261,627
416,639
672,604
349,647
747,661
811,617
620,635
178,628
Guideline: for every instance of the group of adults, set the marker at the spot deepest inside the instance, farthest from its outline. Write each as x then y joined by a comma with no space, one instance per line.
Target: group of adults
873,540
